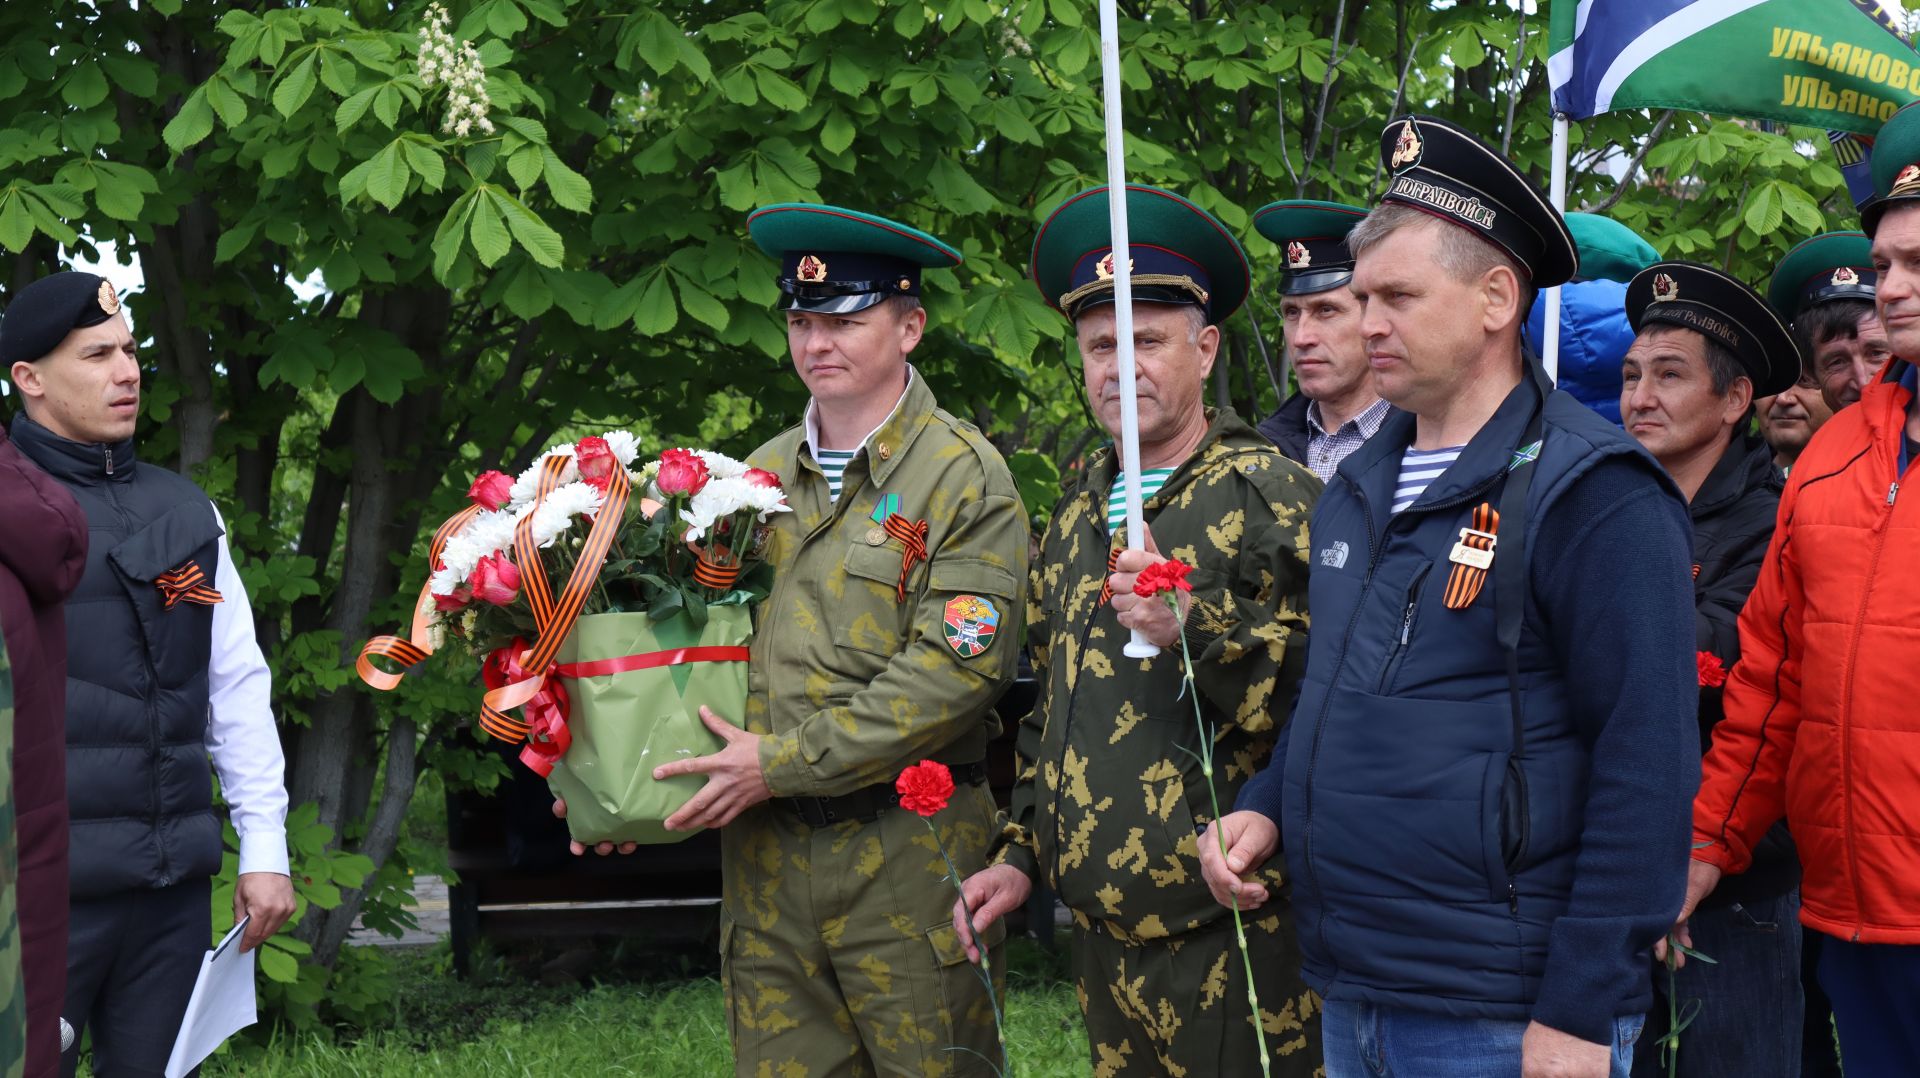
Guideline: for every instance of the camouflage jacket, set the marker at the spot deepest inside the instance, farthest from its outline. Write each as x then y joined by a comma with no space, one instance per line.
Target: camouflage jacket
1111,796
849,681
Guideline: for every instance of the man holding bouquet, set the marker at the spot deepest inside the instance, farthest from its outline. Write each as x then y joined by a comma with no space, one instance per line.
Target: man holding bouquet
896,577
1113,791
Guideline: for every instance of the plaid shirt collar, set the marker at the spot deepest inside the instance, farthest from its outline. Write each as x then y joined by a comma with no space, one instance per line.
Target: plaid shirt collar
1367,422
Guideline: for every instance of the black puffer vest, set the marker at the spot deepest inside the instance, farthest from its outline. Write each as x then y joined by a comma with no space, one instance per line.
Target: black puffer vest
139,785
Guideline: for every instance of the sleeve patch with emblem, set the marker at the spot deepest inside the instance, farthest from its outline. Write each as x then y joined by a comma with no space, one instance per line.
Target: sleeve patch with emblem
970,624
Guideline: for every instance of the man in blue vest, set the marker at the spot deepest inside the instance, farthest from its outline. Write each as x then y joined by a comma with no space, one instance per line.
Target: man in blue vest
1484,788
163,677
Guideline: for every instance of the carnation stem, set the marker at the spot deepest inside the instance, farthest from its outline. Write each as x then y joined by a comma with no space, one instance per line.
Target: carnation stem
1206,771
985,969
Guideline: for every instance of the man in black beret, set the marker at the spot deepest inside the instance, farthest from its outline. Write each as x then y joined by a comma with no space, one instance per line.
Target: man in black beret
1706,347
1484,789
164,677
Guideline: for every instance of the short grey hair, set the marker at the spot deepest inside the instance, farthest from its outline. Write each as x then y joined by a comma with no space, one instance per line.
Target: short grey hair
902,306
1464,256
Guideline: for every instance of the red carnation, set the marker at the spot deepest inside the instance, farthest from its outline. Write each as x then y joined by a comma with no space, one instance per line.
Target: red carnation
596,461
760,477
495,580
925,787
682,473
491,490
1713,673
1161,577
446,604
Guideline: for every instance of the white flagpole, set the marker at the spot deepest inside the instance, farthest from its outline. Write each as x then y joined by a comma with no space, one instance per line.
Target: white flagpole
1557,194
1139,647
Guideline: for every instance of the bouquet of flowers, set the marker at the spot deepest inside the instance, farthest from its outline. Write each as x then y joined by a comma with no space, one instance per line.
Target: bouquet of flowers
604,619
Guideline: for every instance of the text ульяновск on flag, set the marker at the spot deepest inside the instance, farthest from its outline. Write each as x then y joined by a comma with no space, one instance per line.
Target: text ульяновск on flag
1821,63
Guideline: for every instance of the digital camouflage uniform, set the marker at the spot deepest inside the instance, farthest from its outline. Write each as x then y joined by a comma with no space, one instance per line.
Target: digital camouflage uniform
839,953
1111,798
13,993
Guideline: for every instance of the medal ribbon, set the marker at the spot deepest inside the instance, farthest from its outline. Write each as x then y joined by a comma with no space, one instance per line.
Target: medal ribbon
1465,582
1106,582
911,534
187,582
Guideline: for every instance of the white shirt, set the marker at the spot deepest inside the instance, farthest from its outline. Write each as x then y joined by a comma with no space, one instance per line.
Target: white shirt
241,736
810,427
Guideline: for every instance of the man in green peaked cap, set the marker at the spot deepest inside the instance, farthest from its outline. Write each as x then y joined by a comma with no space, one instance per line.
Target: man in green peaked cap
1111,791
899,582
1825,287
1337,408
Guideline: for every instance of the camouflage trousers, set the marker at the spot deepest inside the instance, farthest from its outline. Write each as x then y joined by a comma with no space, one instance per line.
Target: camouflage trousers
838,955
1178,1007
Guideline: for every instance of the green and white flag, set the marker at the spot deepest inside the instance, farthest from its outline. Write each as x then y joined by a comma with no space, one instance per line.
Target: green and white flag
1820,63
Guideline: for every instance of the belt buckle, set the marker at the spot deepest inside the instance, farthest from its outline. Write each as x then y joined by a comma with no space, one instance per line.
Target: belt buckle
812,811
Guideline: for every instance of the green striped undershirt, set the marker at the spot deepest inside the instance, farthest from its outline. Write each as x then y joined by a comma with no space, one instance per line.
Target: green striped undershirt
1151,480
833,462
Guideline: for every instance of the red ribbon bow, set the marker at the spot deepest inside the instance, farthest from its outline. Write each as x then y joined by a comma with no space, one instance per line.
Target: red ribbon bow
187,582
546,710
911,534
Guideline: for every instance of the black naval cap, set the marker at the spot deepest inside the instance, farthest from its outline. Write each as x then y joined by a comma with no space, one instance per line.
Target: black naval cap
1444,170
43,313
1313,242
838,261
1723,309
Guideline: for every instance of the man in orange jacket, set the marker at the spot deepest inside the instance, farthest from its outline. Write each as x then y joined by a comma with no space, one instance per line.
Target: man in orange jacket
1820,725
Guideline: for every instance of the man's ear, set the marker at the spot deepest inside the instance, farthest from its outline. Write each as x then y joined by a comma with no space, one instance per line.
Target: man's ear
913,326
1501,292
1739,399
1208,343
26,380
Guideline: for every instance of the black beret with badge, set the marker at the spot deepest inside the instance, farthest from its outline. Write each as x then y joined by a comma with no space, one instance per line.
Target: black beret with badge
41,315
1443,169
1313,242
1828,267
838,261
1723,309
1180,253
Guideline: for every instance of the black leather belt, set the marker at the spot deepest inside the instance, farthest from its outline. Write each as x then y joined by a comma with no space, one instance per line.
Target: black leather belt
867,804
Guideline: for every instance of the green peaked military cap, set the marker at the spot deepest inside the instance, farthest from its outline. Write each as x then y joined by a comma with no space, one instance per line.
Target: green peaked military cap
1830,266
1720,307
1180,253
838,261
1609,250
1313,242
1896,166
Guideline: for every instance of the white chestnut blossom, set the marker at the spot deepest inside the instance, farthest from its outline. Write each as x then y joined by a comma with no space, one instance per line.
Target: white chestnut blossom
457,65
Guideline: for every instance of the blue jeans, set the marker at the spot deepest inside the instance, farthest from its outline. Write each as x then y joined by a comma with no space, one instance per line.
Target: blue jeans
1364,1040
1750,1008
1875,988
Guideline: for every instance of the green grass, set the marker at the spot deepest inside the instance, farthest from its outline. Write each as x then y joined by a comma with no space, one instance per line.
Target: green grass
503,1023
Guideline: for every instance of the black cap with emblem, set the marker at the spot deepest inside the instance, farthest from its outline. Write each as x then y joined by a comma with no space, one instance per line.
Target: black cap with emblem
1444,170
1313,242
1723,309
42,314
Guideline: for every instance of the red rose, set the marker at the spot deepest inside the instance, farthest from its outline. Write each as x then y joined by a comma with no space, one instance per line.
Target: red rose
1160,577
595,459
760,477
925,787
1713,673
491,490
462,595
682,473
495,580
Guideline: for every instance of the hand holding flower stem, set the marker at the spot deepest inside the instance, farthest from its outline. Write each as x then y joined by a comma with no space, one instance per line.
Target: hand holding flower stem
924,790
1167,579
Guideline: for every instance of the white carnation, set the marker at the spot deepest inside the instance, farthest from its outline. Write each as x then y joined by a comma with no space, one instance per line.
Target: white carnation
766,500
555,515
719,499
443,581
721,466
624,445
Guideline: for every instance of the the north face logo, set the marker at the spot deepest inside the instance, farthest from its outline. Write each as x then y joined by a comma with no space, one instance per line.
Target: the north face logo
1335,556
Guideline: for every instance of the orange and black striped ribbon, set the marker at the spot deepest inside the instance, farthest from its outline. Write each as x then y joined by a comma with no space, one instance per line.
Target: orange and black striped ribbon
912,535
1106,582
413,650
187,582
1465,582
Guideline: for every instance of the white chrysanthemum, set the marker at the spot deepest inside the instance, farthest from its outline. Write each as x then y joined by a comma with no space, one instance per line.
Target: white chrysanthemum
443,581
555,515
624,445
765,500
721,466
719,499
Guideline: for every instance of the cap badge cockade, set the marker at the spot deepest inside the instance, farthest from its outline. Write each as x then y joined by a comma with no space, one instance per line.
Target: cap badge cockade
1407,148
